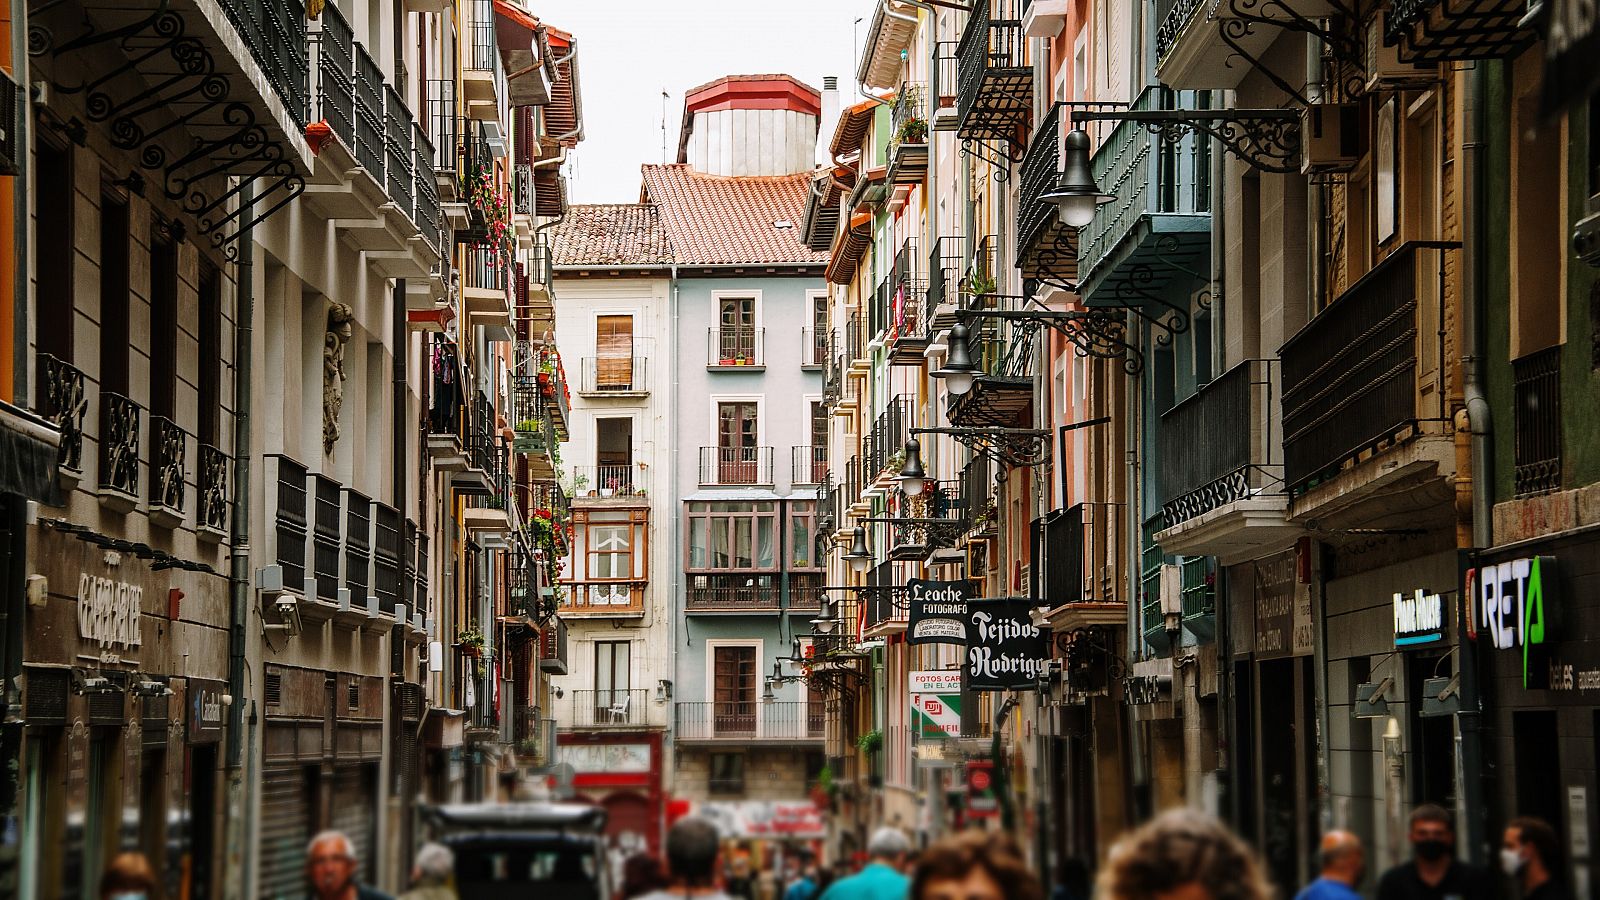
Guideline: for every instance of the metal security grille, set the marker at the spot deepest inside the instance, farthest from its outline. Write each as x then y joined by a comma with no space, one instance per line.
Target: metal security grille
286,808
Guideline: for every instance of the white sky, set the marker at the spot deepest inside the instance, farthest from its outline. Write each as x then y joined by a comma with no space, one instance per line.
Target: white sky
629,51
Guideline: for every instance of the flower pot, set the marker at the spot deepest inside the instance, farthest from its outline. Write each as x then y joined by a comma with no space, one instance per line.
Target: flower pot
606,492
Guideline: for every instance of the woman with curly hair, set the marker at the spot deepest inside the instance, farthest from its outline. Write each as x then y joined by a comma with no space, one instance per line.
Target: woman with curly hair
974,865
1183,855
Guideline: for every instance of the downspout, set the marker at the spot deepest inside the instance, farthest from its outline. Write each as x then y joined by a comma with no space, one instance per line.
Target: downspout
238,823
914,21
399,357
1480,425
674,518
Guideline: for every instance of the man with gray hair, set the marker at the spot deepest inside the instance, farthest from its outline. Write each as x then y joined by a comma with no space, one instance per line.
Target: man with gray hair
692,849
882,878
431,874
331,867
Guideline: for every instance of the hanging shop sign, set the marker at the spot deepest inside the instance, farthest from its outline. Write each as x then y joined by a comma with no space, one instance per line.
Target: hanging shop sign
938,611
936,704
1006,651
108,614
1275,600
1419,619
207,710
1516,608
765,819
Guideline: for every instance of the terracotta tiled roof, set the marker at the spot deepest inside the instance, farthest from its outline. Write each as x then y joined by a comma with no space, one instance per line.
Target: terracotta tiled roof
720,220
611,234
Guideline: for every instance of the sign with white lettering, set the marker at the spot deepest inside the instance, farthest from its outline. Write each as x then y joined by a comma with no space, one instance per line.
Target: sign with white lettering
1006,651
1418,619
207,712
1275,602
938,611
108,611
1515,607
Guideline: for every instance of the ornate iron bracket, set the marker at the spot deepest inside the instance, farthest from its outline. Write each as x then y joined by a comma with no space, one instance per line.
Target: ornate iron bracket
1093,333
930,533
1266,139
1008,447
984,151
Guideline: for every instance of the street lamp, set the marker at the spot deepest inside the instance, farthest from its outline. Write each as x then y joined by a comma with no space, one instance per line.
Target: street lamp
859,557
958,369
1075,195
911,475
825,622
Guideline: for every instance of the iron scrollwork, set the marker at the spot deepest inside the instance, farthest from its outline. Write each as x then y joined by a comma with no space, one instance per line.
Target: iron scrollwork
1266,139
167,442
213,483
1009,447
119,443
64,403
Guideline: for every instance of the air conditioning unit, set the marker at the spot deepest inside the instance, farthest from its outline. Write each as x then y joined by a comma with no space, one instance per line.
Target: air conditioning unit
1384,66
1330,137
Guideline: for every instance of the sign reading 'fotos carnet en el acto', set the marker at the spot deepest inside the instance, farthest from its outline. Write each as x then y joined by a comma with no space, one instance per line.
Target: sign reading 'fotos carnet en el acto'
938,611
1005,650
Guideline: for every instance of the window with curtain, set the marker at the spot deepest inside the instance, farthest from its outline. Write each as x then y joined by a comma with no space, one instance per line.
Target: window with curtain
611,672
802,520
733,536
614,353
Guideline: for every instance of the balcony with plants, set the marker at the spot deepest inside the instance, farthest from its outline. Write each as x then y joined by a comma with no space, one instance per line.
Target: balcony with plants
482,73
907,154
486,295
615,484
1221,466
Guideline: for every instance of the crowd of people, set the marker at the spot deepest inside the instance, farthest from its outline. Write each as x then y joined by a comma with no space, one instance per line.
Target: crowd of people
1180,855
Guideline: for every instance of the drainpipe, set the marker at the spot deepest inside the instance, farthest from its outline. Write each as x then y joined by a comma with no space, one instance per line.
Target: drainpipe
399,357
1478,421
914,21
675,536
239,822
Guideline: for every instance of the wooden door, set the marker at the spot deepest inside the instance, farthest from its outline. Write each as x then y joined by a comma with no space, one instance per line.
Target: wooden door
737,343
734,686
737,436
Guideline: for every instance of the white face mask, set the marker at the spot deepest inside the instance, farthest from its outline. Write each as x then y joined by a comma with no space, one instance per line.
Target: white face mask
1511,862
130,895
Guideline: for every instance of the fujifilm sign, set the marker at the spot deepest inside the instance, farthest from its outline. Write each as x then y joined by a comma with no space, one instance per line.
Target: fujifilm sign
1418,618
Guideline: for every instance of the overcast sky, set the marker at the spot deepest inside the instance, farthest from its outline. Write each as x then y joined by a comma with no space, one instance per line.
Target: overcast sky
629,51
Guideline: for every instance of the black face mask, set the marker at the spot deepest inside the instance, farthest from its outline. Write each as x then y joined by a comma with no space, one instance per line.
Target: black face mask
1431,850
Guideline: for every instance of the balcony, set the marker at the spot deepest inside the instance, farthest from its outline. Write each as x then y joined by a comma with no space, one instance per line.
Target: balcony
735,347
908,307
1006,352
932,520
994,99
487,518
599,599
1046,247
1221,467
805,591
481,450
485,290
618,483
1536,423
885,605
813,348
1353,388
211,481
481,76
1202,44
945,85
944,275
1155,237
883,446
1197,580
615,708
735,466
445,134
734,592
857,343
1044,18
541,276
1082,553
447,411
908,135
748,721
534,435
63,401
809,465
119,452
615,376
168,444
1435,31
553,648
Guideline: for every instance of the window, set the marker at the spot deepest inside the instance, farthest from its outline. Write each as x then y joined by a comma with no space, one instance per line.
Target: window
727,773
163,321
803,535
734,536
614,353
738,433
209,382
734,690
113,293
614,455
736,338
610,551
54,246
611,673
817,352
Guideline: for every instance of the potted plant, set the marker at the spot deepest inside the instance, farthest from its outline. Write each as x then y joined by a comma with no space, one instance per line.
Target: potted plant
870,742
913,131
470,642
610,487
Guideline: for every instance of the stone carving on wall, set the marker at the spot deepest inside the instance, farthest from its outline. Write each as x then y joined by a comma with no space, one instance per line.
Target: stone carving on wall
339,331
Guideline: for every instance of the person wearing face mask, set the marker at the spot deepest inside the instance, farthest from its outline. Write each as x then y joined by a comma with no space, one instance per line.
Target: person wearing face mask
1344,864
129,877
1531,855
1434,873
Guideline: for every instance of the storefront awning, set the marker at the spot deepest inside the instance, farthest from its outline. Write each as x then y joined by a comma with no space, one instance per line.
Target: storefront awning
29,456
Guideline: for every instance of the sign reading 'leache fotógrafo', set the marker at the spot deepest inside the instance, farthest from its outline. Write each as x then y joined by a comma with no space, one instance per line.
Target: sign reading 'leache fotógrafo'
938,611
1005,650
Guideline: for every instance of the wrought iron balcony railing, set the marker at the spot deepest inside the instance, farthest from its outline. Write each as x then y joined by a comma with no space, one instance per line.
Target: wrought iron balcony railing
735,465
749,720
336,97
326,537
809,465
426,185
610,708
731,346
522,192
357,545
212,483
291,521
1350,376
62,400
611,480
932,520
1173,23
485,268
945,85
1536,384
446,394
944,274
119,443
541,262
369,148
1046,247
853,484
1083,547
398,149
481,51
444,125
813,348
275,33
616,374
167,456
884,446
977,490
995,96
908,134
1221,444
732,591
1434,31
603,598
856,338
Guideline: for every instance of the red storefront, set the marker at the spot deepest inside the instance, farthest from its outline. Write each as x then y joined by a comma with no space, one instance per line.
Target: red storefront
620,771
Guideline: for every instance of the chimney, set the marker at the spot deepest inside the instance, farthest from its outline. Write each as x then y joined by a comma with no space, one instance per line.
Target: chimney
829,119
752,125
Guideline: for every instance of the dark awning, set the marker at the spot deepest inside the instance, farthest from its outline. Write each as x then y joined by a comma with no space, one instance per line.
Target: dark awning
29,456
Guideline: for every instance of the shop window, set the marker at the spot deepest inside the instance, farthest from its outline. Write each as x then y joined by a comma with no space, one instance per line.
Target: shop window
727,773
1536,751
